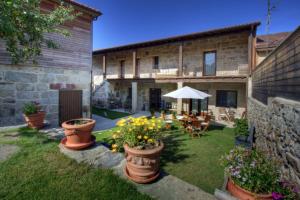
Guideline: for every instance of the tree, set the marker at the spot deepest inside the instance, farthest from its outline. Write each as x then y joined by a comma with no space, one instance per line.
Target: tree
23,26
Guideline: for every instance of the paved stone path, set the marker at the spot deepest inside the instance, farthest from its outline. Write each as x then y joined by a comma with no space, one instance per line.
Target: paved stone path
167,187
7,150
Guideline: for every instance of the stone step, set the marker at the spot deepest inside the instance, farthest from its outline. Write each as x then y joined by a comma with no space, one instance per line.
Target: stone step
167,187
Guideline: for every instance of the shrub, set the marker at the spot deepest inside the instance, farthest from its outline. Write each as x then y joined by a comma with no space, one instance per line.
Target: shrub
31,108
139,133
241,127
252,171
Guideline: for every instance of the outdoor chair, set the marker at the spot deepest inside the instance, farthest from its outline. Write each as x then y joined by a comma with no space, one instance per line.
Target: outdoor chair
223,115
206,123
194,129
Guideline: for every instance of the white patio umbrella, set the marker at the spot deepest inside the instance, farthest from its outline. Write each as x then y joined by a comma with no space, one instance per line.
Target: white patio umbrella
187,93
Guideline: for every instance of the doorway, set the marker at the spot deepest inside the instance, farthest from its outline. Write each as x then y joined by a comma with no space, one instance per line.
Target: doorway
155,98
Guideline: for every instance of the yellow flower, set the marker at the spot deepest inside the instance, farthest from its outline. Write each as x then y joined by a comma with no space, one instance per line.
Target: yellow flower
139,137
118,131
114,146
150,140
114,136
145,137
114,150
150,128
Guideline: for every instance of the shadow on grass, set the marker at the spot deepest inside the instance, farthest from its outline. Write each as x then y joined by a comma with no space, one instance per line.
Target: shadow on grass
173,150
34,133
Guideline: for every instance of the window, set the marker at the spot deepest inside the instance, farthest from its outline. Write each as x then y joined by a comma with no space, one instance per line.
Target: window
155,62
199,104
209,63
226,98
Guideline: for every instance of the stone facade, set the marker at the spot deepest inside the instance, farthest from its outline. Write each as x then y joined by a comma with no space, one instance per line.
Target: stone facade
20,85
231,60
277,132
67,67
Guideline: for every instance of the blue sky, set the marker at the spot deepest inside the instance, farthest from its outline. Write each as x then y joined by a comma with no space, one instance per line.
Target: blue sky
129,21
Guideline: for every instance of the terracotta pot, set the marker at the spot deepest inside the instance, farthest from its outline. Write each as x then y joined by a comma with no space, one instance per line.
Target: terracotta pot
78,136
243,194
142,165
35,120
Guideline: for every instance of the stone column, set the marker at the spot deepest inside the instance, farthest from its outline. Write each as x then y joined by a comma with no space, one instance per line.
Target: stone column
134,70
180,61
134,97
104,66
179,101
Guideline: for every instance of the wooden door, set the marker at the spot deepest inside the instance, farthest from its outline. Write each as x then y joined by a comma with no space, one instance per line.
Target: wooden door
155,98
70,105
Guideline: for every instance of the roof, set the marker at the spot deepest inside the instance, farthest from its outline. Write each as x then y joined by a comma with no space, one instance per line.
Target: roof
270,41
94,12
224,30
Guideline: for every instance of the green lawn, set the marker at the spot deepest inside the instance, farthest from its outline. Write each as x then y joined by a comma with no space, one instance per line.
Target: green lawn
109,113
40,171
193,160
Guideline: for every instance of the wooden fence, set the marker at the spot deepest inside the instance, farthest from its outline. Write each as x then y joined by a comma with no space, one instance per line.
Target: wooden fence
278,75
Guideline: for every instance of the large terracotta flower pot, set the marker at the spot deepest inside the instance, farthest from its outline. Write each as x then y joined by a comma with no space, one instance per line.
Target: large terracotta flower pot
142,165
243,194
78,135
35,120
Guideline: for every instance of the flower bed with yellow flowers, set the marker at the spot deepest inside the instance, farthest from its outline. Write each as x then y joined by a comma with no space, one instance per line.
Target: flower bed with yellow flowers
138,133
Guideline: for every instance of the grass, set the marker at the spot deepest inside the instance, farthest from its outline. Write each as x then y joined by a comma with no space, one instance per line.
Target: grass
40,171
193,160
109,113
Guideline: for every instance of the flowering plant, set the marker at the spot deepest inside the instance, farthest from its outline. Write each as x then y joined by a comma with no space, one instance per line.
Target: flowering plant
138,133
252,171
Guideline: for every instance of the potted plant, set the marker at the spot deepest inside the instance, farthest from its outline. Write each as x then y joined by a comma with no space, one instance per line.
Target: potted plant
252,176
33,115
141,140
152,111
241,132
78,133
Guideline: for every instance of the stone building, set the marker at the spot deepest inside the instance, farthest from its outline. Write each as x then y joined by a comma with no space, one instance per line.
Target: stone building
216,61
62,69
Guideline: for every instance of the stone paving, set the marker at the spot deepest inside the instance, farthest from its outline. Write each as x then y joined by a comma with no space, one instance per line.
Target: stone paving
166,187
7,150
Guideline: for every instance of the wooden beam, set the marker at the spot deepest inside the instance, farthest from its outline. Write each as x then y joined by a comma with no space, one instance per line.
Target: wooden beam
134,70
180,60
104,66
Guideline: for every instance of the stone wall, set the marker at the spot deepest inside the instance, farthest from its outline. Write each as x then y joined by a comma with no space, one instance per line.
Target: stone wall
231,48
22,84
66,67
277,132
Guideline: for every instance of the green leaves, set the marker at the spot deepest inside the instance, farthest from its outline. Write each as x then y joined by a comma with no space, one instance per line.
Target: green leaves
22,27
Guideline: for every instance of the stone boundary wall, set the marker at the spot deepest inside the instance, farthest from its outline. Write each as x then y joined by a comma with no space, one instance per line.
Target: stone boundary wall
278,75
22,84
277,132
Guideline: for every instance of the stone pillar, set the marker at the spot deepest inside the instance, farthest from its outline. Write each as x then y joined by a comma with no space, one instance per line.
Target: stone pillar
180,61
179,101
104,66
134,70
134,97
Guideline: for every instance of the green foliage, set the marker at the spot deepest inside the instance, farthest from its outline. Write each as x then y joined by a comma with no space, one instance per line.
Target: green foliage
241,127
251,170
140,133
23,27
31,108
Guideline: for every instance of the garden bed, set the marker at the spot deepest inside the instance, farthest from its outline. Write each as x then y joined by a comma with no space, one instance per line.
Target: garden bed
110,114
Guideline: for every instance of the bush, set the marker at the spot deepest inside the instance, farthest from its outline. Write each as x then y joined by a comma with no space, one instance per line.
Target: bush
241,127
31,108
139,133
252,171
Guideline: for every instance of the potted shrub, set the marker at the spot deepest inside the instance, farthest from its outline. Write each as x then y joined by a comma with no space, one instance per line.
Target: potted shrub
78,133
152,111
241,132
252,176
141,140
33,115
